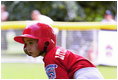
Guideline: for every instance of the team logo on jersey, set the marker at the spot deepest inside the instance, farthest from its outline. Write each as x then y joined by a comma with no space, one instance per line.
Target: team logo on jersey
50,70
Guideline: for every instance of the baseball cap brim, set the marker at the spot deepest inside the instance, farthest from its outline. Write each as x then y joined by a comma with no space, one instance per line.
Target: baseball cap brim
20,38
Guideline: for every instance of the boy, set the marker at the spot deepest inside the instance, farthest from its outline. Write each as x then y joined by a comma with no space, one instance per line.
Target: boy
39,40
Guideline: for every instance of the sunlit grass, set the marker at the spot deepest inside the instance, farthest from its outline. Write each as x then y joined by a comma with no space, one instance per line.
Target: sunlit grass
36,71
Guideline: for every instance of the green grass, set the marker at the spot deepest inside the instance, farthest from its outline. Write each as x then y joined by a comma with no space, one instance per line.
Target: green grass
22,71
108,72
36,71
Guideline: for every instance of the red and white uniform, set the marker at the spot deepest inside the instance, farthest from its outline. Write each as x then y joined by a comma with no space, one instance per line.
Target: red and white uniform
62,64
59,63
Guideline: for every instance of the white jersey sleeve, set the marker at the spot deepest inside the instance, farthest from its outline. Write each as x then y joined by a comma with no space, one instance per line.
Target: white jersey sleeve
88,73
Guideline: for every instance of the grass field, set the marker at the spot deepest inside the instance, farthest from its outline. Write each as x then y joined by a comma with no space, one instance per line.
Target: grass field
36,71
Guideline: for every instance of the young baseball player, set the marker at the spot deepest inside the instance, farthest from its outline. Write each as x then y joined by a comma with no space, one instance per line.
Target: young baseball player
40,40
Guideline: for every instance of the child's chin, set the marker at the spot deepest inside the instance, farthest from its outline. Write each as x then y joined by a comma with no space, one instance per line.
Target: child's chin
34,56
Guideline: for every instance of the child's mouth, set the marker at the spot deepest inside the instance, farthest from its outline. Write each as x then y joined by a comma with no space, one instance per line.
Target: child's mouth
30,53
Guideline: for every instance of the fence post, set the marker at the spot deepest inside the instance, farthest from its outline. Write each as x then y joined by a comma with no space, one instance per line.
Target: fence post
63,39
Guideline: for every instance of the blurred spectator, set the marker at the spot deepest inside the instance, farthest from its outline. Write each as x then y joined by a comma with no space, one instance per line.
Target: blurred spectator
4,17
4,13
37,16
108,17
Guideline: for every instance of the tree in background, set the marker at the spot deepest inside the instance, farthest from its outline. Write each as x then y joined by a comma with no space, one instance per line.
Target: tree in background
61,10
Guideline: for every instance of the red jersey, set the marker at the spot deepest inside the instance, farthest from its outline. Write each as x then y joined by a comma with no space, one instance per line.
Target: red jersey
62,64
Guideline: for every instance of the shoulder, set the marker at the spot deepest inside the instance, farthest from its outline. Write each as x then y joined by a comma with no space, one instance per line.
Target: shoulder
104,20
60,53
63,53
45,17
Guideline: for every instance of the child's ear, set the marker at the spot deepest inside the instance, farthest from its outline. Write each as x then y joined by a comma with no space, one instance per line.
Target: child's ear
46,43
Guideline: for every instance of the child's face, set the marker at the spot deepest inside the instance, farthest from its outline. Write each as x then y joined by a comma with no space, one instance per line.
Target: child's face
32,46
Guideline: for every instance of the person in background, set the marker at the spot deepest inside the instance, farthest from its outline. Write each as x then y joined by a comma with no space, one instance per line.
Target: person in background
108,17
4,13
37,16
4,17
